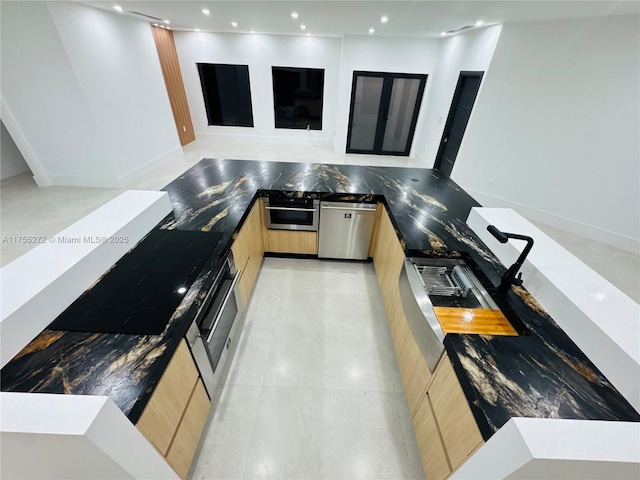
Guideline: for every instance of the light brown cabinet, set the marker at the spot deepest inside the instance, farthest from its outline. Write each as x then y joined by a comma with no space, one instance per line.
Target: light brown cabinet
248,250
291,241
444,425
175,415
388,258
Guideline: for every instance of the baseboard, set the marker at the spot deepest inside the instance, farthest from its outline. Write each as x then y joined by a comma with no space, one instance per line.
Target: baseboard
138,172
270,139
592,232
76,181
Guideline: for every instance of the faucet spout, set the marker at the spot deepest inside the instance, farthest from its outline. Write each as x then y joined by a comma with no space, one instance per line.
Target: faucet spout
511,276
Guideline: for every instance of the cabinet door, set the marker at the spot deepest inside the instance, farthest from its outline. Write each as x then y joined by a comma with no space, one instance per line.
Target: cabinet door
434,458
188,435
161,416
459,430
289,241
248,249
415,372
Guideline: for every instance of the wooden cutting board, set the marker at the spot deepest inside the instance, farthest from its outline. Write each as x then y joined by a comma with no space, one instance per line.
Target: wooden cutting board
473,320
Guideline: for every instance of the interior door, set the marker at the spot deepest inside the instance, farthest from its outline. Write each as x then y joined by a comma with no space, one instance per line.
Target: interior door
384,112
459,113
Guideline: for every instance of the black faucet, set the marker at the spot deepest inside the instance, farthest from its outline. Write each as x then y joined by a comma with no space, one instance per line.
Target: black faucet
509,278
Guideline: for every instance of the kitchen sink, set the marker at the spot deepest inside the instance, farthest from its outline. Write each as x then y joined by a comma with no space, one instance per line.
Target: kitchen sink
451,295
451,283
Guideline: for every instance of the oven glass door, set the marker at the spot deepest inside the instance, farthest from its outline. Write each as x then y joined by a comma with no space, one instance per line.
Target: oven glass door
284,216
218,320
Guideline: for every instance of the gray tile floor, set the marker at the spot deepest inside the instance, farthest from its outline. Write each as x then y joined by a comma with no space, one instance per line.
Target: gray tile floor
314,389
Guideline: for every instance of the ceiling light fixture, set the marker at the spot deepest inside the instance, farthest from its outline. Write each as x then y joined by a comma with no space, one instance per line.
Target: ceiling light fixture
308,34
479,23
372,30
303,27
155,24
196,29
234,24
206,11
118,8
253,31
443,34
167,22
294,15
384,19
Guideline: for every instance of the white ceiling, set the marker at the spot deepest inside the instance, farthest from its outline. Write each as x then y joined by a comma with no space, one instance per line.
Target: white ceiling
336,18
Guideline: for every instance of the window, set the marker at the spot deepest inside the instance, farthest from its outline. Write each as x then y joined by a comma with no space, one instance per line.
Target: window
297,97
227,94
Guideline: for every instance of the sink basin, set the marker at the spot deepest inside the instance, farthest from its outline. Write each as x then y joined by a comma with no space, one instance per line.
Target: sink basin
444,295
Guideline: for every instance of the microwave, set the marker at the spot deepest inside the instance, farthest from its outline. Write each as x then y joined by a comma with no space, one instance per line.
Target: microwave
291,213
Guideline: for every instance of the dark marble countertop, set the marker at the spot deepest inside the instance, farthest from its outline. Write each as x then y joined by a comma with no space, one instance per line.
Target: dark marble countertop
543,374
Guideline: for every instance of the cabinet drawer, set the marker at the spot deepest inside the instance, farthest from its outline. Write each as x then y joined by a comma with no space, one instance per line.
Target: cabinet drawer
188,435
161,416
415,372
289,241
458,427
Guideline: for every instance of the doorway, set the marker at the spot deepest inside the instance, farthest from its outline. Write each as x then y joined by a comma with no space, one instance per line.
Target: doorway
384,111
459,113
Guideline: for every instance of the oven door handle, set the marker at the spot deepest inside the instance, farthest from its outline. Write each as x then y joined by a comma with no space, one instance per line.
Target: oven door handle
224,304
295,209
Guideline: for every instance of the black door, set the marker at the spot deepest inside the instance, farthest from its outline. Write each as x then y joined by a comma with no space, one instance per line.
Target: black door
384,111
459,113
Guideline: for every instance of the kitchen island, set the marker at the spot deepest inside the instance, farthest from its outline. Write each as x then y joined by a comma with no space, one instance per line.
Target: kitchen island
543,374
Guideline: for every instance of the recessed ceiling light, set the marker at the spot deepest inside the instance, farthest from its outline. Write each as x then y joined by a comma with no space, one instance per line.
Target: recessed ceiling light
372,30
234,24
479,23
303,27
118,8
294,15
167,22
253,31
206,11
155,24
196,29
443,34
384,19
308,34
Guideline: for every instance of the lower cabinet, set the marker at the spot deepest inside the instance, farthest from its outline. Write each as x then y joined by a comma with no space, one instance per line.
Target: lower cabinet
291,241
248,249
445,428
176,413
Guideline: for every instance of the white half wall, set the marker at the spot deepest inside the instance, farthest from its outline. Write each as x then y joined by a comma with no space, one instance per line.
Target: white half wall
537,448
38,286
599,318
12,162
85,90
378,54
555,132
73,437
471,51
260,53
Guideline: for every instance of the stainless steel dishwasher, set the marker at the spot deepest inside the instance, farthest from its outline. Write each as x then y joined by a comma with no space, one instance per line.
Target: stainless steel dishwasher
345,230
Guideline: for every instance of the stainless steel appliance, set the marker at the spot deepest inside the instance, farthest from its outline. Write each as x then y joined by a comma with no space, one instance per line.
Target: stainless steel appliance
345,230
291,213
217,326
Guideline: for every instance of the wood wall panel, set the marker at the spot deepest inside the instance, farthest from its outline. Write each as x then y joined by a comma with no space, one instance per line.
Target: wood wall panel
173,81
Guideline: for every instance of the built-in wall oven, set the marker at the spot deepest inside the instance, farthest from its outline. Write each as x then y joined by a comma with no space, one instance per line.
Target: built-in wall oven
217,326
291,213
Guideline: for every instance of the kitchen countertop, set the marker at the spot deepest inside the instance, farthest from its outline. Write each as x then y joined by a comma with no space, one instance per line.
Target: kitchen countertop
543,374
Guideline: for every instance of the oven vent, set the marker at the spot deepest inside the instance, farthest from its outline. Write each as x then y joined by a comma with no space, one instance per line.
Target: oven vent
147,16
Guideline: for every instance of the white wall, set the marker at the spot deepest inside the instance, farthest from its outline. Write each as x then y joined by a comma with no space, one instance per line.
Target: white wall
471,51
260,53
382,54
555,133
12,161
73,437
85,90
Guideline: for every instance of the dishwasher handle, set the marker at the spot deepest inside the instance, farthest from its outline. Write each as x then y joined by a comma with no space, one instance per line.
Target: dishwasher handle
352,209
